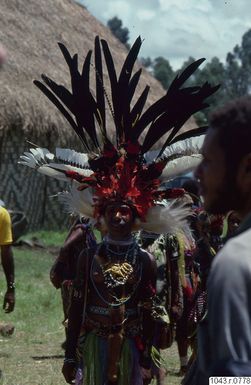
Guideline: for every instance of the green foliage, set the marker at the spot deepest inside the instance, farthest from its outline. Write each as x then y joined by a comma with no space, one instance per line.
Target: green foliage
238,68
163,71
116,26
146,62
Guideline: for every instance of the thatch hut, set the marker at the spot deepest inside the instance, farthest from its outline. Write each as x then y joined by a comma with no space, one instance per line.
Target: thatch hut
29,34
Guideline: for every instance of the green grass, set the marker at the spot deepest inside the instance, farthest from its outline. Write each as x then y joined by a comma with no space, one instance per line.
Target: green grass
26,357
47,238
33,356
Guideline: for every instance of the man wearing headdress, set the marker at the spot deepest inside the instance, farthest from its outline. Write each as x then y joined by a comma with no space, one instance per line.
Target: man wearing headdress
117,326
118,183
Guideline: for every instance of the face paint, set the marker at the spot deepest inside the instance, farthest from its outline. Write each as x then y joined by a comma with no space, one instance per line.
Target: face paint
119,219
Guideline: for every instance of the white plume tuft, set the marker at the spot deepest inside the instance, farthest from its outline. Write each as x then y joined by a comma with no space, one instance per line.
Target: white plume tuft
44,162
184,147
180,166
36,157
167,219
77,202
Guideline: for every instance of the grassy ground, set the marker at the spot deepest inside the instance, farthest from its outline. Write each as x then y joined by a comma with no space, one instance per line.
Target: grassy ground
33,356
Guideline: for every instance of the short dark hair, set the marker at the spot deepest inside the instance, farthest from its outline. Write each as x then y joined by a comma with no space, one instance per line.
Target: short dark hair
233,125
191,186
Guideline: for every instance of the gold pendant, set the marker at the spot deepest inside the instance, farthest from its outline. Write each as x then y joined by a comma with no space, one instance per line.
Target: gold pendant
119,271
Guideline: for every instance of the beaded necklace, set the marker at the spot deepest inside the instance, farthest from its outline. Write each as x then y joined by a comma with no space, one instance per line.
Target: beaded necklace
117,274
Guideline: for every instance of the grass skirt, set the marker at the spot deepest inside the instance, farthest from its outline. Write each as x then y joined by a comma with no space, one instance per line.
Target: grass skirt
93,362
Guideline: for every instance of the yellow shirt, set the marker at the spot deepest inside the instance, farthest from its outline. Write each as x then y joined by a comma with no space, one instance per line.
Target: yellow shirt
5,227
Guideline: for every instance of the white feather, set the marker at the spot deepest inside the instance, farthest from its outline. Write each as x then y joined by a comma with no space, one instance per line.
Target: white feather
180,166
56,170
27,161
48,171
73,157
41,160
36,157
167,219
183,147
68,167
78,202
41,153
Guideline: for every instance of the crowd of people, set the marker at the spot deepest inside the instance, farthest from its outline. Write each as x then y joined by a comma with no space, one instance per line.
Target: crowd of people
172,265
179,276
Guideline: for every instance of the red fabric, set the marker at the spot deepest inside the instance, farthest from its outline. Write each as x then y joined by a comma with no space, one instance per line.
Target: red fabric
139,343
188,291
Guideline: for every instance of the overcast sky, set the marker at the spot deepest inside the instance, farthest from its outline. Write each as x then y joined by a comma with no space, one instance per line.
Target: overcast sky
177,29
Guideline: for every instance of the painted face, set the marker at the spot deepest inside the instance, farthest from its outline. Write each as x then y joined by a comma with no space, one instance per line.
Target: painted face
119,219
233,222
216,224
219,192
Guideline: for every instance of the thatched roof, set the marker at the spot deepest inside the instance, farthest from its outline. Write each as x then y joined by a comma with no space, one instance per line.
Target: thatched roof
29,33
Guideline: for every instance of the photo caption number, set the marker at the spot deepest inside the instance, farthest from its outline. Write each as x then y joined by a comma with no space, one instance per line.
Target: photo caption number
229,380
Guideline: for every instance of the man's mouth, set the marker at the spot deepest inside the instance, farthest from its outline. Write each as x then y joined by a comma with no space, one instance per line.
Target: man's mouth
119,223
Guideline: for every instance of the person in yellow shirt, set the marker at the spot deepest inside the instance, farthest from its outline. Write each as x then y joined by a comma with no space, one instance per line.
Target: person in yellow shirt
7,259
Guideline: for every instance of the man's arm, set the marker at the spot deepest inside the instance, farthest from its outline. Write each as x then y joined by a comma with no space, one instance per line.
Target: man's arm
8,268
74,240
7,259
75,317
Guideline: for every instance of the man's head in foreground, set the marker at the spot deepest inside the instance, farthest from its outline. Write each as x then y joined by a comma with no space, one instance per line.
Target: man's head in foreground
225,170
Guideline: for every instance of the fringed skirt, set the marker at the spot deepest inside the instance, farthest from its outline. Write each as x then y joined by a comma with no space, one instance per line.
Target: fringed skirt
93,356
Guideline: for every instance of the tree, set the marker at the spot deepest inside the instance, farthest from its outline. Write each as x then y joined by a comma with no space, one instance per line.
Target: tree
163,71
238,68
186,63
147,62
214,73
116,27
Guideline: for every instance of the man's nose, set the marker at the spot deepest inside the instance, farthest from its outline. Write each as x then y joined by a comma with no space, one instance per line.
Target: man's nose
118,215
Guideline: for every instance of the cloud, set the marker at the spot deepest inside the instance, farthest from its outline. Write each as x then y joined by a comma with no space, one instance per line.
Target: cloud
145,14
178,29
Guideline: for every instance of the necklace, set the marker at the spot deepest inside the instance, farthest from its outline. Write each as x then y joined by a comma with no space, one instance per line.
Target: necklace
117,301
129,254
117,273
124,242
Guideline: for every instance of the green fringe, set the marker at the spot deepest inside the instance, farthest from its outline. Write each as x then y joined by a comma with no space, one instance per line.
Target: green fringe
125,364
93,366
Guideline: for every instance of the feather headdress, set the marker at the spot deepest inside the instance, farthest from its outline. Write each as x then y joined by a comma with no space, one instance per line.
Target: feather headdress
125,170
